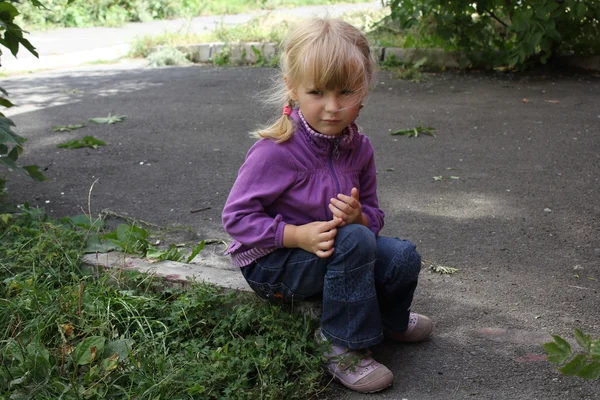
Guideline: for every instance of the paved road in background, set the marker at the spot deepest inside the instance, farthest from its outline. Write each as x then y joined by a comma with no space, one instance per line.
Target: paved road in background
69,47
521,222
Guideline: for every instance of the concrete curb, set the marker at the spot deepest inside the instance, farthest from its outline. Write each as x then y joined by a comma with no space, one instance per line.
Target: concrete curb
174,273
250,53
181,275
241,53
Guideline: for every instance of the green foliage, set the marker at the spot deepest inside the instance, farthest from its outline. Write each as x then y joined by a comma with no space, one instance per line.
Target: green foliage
498,32
11,147
87,141
131,239
67,334
11,144
174,254
262,60
100,12
11,34
222,57
167,55
585,365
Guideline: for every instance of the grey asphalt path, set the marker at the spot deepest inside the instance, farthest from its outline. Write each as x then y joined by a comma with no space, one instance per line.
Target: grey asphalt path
521,222
68,47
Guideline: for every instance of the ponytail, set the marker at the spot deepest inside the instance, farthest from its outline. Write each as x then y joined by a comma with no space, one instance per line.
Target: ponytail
281,129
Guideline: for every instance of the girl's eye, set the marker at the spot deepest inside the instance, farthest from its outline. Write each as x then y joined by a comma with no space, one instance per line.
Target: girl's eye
347,92
315,92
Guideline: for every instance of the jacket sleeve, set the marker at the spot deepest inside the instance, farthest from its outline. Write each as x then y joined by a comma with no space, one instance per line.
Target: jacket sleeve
368,191
266,173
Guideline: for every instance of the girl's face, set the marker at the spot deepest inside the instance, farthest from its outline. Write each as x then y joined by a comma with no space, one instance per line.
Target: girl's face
327,111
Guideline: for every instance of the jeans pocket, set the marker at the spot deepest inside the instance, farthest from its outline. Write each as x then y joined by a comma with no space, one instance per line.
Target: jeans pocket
277,293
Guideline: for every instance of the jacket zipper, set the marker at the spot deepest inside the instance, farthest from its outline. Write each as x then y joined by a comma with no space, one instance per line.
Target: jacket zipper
335,153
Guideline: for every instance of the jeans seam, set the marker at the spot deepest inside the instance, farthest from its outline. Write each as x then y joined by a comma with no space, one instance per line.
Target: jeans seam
375,339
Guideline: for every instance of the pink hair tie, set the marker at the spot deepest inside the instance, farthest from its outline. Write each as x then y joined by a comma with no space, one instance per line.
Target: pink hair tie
287,110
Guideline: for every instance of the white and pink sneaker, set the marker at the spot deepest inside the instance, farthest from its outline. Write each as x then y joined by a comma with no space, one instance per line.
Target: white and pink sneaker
355,369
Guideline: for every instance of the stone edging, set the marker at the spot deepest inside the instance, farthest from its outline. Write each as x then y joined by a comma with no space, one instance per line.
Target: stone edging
244,53
174,273
180,275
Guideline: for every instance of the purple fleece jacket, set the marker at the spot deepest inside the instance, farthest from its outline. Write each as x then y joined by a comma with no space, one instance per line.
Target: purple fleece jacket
292,183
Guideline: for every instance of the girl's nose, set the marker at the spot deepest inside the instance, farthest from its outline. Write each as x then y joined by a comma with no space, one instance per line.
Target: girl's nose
332,104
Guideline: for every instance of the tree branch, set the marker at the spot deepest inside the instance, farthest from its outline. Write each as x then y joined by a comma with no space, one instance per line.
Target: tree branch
495,17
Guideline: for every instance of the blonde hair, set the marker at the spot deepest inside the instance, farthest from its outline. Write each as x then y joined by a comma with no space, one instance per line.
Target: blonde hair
332,53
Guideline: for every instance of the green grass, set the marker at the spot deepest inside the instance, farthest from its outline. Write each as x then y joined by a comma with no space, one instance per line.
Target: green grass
67,334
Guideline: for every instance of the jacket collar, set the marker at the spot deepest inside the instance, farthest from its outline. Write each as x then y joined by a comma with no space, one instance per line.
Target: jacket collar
320,141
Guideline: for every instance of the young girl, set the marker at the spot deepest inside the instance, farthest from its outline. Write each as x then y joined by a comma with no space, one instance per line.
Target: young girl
304,213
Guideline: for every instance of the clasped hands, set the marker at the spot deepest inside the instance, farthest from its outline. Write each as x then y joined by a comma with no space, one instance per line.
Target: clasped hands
318,237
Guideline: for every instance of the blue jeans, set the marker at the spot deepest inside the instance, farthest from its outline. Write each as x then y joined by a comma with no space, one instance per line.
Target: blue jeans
367,284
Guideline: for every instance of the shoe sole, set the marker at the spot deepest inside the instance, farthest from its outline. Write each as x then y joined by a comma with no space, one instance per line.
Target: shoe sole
361,389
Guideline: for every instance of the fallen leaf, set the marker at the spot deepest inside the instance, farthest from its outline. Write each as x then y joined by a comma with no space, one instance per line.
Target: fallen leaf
437,178
525,100
111,119
552,101
67,128
87,141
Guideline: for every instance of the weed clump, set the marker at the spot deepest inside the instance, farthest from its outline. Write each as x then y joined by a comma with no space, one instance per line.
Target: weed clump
68,334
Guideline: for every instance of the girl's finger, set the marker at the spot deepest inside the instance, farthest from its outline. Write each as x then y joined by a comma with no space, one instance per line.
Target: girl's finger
351,201
326,245
337,212
324,254
325,236
330,225
340,203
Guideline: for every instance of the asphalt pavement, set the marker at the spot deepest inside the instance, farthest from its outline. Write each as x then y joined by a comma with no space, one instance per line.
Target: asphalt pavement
507,192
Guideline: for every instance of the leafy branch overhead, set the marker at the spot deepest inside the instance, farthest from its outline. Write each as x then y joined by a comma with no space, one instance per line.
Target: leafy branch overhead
11,144
12,35
11,147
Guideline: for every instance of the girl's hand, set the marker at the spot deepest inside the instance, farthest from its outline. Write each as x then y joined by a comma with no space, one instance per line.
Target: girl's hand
347,208
315,237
